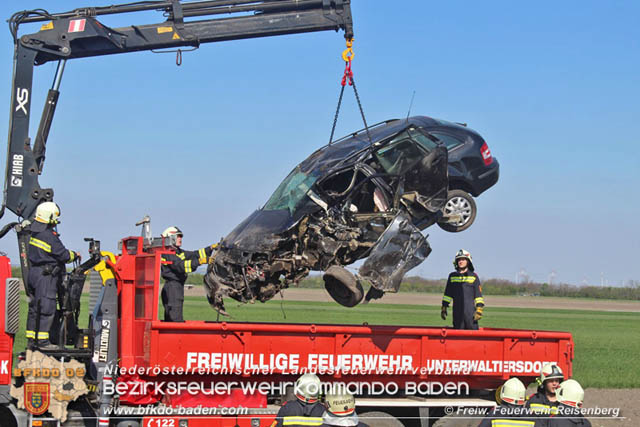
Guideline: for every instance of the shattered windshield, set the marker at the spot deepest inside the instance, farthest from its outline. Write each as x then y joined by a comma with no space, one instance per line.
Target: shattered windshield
291,191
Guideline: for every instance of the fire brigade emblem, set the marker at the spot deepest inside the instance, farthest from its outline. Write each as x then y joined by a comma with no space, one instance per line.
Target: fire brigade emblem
36,397
49,385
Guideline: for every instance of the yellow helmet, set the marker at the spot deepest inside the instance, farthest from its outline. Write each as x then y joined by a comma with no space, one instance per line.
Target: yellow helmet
570,393
512,391
463,254
48,213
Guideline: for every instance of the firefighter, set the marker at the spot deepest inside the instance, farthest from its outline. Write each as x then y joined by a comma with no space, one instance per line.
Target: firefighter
47,257
305,409
341,411
464,292
544,402
175,268
511,410
570,396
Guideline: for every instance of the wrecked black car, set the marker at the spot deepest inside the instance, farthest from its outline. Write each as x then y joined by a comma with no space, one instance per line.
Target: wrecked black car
356,198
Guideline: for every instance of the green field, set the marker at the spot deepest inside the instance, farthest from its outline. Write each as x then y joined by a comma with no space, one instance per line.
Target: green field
607,344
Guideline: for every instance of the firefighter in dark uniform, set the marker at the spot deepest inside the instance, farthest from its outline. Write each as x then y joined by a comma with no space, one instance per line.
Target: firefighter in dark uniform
465,292
175,269
511,411
570,397
544,402
306,409
341,411
47,257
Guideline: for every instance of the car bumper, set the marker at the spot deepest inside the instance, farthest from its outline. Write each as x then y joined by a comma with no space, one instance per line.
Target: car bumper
486,178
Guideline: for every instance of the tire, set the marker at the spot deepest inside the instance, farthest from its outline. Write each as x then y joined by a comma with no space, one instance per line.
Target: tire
459,202
453,421
379,419
343,286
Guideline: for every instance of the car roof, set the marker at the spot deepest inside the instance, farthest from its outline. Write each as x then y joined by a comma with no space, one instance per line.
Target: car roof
343,149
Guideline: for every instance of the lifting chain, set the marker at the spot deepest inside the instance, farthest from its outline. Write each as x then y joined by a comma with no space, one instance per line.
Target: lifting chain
347,77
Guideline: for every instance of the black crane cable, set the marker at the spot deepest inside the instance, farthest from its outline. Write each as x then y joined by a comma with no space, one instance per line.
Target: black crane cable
348,76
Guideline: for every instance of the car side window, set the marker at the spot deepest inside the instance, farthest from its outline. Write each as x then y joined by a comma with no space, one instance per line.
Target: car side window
399,156
449,141
428,142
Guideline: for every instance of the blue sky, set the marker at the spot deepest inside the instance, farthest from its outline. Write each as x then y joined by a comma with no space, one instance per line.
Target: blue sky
554,88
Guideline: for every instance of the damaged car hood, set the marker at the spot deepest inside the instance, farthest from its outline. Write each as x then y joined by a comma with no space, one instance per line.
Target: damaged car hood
259,232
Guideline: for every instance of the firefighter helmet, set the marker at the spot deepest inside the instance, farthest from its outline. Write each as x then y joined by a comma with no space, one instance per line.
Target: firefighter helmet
570,393
171,235
307,388
172,231
512,391
48,213
341,404
463,254
551,371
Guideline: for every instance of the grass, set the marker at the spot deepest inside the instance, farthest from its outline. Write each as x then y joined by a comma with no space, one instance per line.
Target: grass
607,344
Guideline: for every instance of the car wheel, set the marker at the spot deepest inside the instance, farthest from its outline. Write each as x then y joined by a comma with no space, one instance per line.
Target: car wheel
459,203
343,286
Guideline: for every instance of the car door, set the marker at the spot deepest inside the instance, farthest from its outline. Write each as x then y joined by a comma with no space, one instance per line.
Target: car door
458,149
420,163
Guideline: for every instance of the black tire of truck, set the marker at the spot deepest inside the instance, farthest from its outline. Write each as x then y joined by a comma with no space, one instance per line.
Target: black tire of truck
454,420
343,286
379,419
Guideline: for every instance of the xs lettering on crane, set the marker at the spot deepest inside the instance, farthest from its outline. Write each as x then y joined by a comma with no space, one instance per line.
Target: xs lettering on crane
22,97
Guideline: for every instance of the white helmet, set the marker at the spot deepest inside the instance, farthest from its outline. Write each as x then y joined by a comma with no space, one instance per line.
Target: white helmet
463,254
551,371
172,231
570,393
48,213
171,235
513,391
341,404
307,388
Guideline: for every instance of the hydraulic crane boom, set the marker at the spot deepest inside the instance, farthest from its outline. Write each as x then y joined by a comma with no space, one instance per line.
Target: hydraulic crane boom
79,34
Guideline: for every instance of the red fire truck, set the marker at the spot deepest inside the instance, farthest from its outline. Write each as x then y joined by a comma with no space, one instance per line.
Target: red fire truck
145,372
149,372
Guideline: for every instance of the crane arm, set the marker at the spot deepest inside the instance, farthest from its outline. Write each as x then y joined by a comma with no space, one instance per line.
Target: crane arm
79,34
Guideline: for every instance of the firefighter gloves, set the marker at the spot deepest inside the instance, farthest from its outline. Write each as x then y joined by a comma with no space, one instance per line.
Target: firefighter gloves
443,313
478,314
